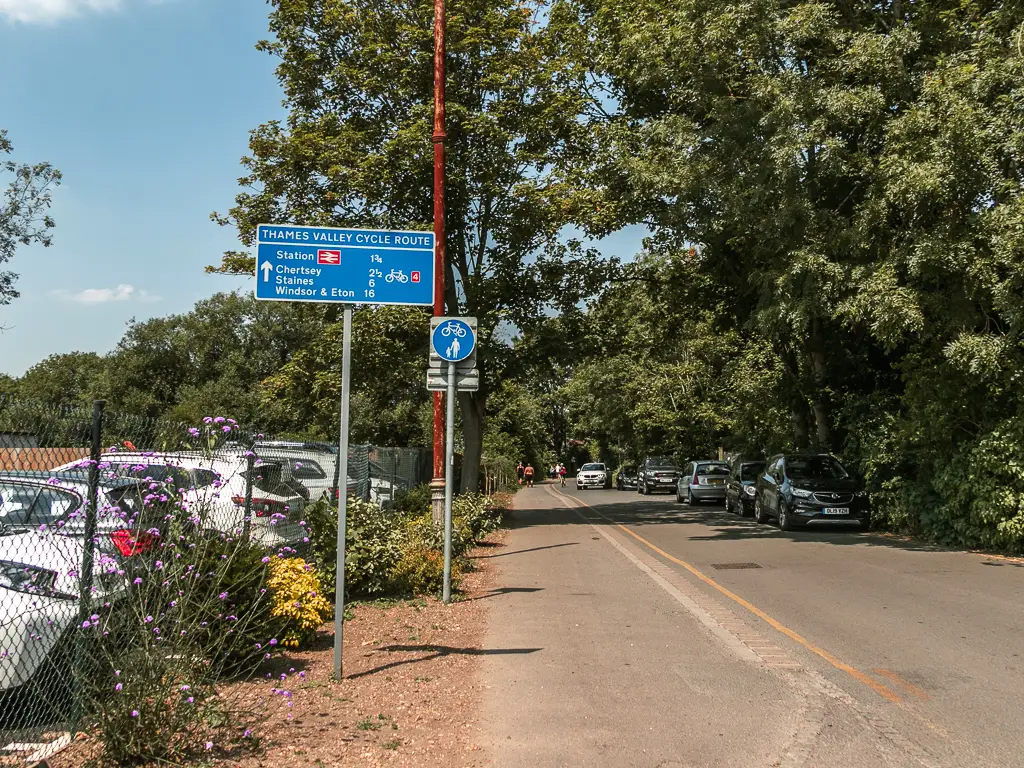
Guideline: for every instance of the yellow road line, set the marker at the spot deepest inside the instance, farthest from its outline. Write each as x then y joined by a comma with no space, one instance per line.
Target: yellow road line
909,686
879,688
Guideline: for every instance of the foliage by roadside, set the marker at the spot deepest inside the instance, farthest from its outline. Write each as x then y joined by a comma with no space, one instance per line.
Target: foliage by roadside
398,551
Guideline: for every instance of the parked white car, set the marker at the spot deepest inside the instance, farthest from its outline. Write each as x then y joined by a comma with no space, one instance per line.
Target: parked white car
214,486
316,466
42,545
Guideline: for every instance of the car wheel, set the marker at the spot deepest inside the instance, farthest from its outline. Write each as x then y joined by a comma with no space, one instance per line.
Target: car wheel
689,497
641,489
759,514
785,519
728,505
741,508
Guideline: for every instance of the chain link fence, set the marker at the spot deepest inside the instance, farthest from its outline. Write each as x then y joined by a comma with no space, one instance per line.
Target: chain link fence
71,476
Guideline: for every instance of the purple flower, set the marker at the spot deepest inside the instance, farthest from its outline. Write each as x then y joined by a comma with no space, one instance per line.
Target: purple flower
86,625
135,713
209,745
225,430
137,580
118,687
190,699
207,419
273,641
219,420
247,734
149,619
223,595
193,431
186,687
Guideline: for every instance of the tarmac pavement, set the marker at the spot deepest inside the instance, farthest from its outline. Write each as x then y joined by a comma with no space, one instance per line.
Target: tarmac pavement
666,636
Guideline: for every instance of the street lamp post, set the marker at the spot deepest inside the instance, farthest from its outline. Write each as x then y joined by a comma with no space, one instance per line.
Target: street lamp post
437,484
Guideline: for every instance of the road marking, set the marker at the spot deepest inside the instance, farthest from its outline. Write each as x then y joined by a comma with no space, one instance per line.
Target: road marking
882,690
909,686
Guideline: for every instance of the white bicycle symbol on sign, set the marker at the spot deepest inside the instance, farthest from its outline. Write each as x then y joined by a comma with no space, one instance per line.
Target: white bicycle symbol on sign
396,274
453,328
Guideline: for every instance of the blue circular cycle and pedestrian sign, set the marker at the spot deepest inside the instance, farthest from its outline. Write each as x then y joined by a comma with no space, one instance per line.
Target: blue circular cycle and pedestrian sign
453,340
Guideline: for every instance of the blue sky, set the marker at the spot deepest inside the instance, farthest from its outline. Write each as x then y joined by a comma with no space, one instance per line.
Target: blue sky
145,106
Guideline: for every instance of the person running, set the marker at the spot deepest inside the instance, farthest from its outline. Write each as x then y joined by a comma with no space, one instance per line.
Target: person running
528,474
561,474
520,471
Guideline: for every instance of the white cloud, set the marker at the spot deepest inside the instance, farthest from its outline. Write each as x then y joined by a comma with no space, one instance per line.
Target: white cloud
122,292
41,11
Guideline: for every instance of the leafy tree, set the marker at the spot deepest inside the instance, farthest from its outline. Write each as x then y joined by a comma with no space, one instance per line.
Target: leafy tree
390,404
356,150
23,217
210,360
850,177
75,378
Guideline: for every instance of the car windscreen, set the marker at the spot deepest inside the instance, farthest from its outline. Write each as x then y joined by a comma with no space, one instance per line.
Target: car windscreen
815,468
627,471
751,471
592,468
663,464
33,505
175,477
307,469
712,469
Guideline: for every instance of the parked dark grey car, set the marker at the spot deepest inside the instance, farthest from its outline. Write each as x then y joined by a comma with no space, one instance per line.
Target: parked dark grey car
626,477
809,489
657,473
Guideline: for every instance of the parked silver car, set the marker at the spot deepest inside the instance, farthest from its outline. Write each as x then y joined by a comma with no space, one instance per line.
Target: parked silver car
703,481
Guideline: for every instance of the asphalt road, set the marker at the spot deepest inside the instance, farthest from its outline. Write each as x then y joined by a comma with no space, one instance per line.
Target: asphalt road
826,648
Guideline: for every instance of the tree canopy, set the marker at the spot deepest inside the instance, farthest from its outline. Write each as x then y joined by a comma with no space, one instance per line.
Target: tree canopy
23,210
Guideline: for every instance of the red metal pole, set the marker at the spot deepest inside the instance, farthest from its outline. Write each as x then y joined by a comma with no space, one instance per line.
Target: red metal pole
440,250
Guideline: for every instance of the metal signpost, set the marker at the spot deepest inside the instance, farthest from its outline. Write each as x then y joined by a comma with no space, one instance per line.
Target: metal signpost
453,343
344,266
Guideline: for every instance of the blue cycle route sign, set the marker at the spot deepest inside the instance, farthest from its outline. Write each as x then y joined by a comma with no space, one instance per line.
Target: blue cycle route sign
346,266
453,340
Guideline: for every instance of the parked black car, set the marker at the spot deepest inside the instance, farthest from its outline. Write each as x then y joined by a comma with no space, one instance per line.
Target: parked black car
626,478
741,485
808,489
658,473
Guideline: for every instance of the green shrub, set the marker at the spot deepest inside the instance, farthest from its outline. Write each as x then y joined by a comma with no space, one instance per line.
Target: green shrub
413,502
373,544
400,550
420,570
982,488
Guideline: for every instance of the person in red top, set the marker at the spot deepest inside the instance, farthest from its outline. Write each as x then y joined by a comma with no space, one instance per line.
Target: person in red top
528,472
561,473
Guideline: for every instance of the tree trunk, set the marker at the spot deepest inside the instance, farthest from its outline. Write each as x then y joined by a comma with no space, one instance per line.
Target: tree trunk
471,406
801,433
820,405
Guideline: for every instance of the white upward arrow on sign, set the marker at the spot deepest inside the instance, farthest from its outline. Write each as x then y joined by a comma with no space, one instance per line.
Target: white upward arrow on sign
267,269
